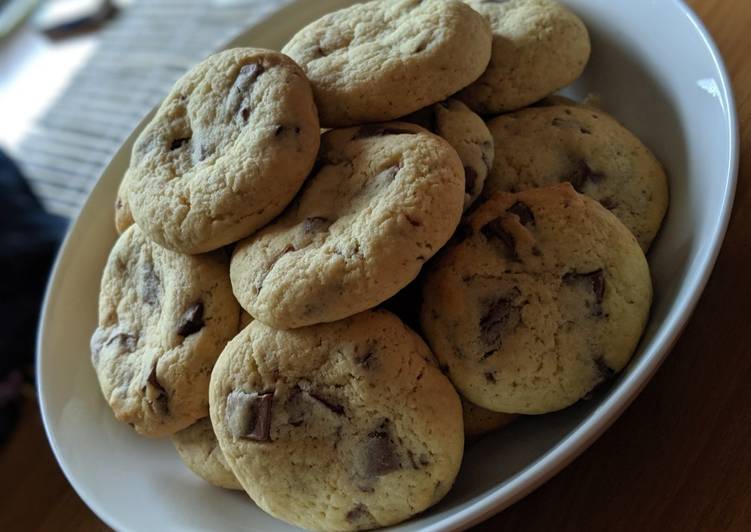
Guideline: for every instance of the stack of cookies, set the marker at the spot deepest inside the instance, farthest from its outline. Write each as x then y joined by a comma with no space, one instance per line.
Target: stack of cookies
243,309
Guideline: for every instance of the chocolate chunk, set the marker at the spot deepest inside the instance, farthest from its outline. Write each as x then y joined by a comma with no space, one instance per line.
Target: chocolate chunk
470,179
248,415
605,371
178,143
315,224
281,130
359,514
245,113
494,231
367,360
522,210
381,455
328,403
248,74
609,203
375,130
412,221
150,285
583,174
500,318
155,393
594,281
192,320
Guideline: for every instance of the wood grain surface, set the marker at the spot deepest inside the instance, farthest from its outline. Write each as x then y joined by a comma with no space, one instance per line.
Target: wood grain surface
677,460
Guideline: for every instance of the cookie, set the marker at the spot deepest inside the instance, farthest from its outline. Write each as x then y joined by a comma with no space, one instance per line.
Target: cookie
199,450
545,145
384,59
479,421
539,46
337,426
383,200
467,134
123,216
226,152
163,320
545,298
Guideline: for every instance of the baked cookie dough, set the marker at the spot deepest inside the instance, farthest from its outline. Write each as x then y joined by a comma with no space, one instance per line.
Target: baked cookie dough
542,146
337,426
384,59
545,298
383,200
539,47
200,452
163,320
467,134
228,149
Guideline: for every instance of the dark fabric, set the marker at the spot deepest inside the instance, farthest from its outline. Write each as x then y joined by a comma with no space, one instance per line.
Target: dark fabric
29,238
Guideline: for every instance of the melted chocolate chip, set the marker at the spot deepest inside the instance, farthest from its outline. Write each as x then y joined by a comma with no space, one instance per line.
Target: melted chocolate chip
281,130
500,317
192,320
605,371
245,113
359,514
594,281
522,210
367,360
315,224
328,403
583,174
381,455
412,221
248,415
374,130
178,143
490,377
150,285
248,74
470,179
494,231
156,394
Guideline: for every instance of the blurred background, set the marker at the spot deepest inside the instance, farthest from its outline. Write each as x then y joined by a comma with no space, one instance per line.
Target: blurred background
76,76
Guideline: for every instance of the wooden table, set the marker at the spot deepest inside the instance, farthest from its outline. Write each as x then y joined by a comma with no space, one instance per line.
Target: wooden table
678,459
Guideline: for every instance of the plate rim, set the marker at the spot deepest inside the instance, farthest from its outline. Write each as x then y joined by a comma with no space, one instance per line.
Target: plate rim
578,440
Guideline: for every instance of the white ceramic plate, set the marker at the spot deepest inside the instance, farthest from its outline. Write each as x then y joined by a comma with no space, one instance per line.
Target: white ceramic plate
656,69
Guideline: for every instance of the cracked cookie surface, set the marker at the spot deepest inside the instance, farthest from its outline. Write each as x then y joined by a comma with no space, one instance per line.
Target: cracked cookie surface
384,199
545,297
226,152
337,426
163,320
542,146
200,452
362,59
468,135
539,46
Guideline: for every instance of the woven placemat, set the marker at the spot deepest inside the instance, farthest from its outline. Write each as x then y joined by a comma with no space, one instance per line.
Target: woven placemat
141,54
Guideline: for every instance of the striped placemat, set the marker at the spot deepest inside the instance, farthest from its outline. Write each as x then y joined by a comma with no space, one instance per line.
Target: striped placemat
140,56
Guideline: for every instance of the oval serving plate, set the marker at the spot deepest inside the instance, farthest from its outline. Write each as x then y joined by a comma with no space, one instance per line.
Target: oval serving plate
653,66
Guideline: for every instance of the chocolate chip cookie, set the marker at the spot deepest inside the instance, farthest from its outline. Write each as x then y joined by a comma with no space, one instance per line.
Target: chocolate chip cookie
226,152
539,46
384,59
467,134
337,426
545,145
163,320
479,421
199,450
383,200
545,298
